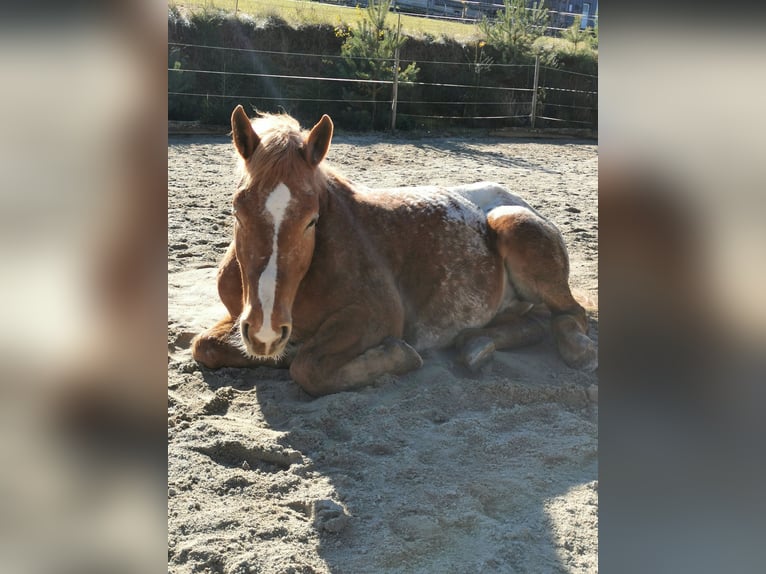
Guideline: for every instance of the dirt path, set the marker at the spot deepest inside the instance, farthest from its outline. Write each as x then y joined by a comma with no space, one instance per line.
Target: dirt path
438,471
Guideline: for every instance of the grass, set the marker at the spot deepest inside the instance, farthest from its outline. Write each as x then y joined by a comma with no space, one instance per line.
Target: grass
560,45
301,12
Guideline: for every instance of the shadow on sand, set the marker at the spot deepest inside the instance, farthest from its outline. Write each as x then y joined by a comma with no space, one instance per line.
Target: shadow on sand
435,471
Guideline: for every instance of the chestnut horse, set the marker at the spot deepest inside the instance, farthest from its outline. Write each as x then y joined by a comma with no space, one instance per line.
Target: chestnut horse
344,284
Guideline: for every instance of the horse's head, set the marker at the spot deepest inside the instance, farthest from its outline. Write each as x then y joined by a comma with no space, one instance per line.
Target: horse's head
276,209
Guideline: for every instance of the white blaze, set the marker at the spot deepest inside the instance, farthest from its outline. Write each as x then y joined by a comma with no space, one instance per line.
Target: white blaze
276,206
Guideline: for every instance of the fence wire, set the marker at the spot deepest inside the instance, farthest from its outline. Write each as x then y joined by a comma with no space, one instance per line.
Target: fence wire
542,87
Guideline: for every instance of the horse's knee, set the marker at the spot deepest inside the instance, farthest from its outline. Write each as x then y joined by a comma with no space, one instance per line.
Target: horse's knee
315,381
212,349
305,374
205,351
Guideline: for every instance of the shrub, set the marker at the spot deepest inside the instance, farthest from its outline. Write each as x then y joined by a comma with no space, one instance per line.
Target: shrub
516,28
576,35
369,52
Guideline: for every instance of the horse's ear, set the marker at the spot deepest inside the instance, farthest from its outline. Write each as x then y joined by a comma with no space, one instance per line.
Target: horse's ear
245,138
318,142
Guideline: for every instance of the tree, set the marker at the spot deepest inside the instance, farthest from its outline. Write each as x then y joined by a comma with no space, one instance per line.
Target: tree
369,52
516,28
576,34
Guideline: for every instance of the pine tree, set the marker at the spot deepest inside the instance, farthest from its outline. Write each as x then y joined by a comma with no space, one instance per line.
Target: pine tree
576,34
516,28
369,51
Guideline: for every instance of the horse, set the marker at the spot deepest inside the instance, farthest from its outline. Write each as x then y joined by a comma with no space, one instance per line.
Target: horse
342,284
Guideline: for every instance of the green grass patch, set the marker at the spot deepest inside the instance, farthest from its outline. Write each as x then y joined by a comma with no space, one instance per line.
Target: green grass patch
305,12
299,13
560,45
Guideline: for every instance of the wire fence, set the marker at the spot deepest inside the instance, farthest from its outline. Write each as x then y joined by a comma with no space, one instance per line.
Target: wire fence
212,79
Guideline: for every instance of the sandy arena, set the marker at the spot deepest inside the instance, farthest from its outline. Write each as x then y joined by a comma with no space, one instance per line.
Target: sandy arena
438,471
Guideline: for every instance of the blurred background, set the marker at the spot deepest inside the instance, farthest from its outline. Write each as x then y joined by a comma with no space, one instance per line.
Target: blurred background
682,283
682,325
83,298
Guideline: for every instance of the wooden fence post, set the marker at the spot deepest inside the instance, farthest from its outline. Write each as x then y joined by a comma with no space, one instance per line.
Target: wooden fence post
533,113
395,91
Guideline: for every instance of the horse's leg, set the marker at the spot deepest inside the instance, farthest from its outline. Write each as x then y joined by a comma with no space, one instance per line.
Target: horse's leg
213,347
515,327
538,267
341,356
230,282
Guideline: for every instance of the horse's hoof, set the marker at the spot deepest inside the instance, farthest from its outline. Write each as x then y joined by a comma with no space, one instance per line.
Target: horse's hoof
477,352
587,358
405,357
589,361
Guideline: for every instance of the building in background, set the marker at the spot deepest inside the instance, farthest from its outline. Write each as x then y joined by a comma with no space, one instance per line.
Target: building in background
562,12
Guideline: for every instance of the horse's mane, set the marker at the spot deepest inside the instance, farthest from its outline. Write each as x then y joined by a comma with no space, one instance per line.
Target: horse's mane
281,144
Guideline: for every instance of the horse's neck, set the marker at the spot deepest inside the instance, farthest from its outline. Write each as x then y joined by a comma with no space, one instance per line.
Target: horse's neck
339,195
343,219
337,228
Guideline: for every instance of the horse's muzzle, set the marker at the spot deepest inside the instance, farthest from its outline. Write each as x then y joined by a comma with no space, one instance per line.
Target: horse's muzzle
265,342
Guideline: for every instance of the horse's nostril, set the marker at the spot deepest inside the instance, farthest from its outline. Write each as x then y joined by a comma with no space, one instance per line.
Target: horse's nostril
245,328
285,333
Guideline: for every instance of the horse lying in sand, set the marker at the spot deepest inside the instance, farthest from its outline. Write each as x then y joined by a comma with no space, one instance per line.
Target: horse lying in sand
344,284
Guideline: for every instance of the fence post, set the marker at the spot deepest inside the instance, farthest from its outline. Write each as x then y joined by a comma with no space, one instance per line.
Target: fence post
533,113
223,55
395,91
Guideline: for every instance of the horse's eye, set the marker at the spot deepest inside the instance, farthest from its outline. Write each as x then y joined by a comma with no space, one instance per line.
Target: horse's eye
312,223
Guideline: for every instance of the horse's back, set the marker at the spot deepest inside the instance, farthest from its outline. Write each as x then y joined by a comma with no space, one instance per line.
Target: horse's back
487,195
462,201
469,203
